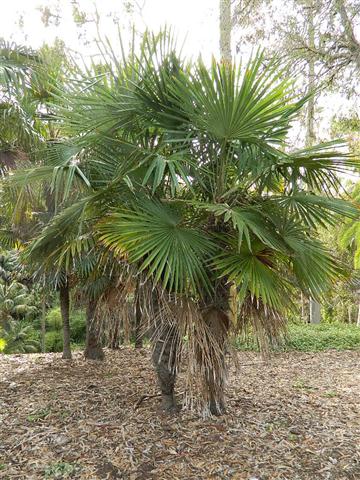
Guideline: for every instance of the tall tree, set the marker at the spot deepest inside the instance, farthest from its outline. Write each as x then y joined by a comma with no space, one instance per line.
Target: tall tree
315,307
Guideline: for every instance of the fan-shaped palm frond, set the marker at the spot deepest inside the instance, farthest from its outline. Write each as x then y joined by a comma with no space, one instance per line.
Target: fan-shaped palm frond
159,238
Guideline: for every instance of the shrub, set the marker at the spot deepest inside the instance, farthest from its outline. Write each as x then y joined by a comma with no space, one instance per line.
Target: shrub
53,319
78,326
54,341
19,337
325,336
77,323
306,337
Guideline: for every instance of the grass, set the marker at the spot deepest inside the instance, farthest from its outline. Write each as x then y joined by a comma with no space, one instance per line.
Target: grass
61,470
304,337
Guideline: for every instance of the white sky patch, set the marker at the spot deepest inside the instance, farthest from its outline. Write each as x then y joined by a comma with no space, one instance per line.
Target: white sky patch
194,22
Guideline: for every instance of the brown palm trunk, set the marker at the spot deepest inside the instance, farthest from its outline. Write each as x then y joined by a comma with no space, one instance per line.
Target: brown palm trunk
65,315
43,324
137,329
164,356
216,316
218,323
93,349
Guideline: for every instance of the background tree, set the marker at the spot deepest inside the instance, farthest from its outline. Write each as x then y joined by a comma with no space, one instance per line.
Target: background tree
225,30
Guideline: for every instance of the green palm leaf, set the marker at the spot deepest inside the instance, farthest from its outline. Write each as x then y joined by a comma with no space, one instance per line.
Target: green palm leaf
159,239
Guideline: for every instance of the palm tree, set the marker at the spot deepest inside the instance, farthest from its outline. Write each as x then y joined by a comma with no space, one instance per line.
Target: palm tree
29,83
187,179
350,240
17,338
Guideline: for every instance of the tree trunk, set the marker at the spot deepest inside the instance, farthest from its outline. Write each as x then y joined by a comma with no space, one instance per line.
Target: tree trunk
93,349
302,300
310,114
65,315
358,317
315,307
164,356
315,312
349,314
354,45
218,323
43,323
115,336
137,329
225,31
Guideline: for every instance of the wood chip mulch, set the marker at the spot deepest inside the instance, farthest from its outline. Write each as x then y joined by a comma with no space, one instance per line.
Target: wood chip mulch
296,417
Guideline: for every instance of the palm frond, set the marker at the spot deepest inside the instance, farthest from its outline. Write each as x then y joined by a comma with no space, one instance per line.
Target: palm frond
157,237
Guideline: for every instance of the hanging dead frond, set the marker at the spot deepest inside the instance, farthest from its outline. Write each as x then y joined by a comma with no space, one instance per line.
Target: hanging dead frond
115,311
263,323
198,345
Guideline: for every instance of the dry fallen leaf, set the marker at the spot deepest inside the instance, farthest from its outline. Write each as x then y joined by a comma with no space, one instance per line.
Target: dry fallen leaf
86,420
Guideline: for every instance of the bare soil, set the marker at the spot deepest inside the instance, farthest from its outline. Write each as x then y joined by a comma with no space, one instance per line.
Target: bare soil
296,417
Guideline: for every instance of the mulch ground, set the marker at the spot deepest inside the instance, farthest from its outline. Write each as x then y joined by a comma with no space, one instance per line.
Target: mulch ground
296,417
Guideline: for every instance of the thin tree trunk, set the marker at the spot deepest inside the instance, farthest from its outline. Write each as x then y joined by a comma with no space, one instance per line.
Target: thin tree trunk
315,307
310,116
65,315
137,332
302,307
225,31
349,313
93,349
315,311
43,323
358,317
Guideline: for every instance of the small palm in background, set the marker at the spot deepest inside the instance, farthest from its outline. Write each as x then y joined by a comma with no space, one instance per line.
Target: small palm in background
19,306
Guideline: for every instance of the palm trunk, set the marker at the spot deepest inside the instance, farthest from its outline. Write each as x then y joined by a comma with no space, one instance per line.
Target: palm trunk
43,323
213,361
115,336
65,315
137,329
164,356
218,324
93,349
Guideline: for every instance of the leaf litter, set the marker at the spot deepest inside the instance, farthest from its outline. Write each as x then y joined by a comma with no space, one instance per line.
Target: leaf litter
295,417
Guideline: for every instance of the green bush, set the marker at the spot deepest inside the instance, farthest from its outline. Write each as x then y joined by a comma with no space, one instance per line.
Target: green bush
325,336
304,337
78,326
54,341
53,319
77,323
19,337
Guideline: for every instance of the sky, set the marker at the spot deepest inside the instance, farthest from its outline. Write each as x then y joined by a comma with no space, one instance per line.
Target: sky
196,21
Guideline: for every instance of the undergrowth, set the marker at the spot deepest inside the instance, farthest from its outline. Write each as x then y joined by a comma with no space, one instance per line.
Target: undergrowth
305,337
